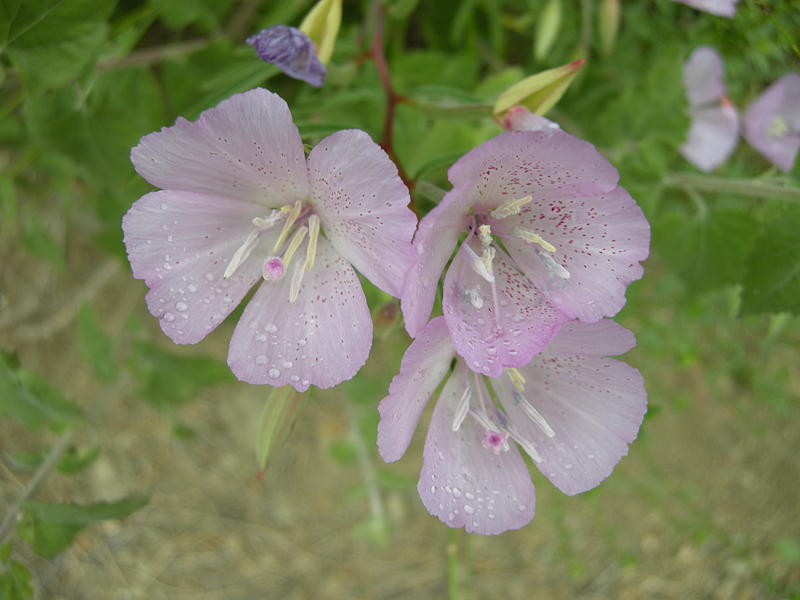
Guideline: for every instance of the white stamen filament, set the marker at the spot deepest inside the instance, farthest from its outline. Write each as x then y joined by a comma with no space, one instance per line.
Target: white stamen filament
483,420
297,280
553,267
534,238
313,236
462,408
241,254
526,445
534,414
511,207
485,235
478,265
294,244
294,212
517,379
263,223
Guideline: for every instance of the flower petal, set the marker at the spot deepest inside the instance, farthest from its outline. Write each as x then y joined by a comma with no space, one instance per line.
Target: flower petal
433,244
291,50
594,405
246,148
464,484
323,338
772,122
721,8
599,242
712,136
363,206
541,164
180,243
702,77
425,364
603,338
489,336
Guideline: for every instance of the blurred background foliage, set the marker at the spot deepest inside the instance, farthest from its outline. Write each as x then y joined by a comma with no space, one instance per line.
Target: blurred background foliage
101,414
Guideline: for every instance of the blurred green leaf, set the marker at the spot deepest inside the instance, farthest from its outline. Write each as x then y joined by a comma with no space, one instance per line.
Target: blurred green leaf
96,345
15,582
180,13
343,451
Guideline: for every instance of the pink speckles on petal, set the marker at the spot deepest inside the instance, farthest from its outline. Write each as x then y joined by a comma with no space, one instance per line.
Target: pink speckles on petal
464,484
425,364
363,206
322,339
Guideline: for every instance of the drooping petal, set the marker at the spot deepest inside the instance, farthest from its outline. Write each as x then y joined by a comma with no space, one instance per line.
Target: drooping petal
246,148
598,242
424,365
540,164
433,244
466,485
772,122
593,404
363,206
291,50
489,334
702,77
322,339
712,136
180,244
721,8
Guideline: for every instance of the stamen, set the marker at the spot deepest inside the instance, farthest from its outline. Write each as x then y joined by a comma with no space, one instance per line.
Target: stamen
517,380
526,445
482,419
511,207
487,258
313,236
534,238
779,127
534,414
462,408
477,264
267,222
294,212
297,239
485,235
273,269
297,280
241,253
553,267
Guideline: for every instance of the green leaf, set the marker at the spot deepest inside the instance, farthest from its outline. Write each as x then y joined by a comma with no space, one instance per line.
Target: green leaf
54,525
15,583
343,451
772,281
51,42
707,250
96,345
180,13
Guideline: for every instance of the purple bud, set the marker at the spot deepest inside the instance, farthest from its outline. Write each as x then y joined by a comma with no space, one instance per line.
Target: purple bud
291,50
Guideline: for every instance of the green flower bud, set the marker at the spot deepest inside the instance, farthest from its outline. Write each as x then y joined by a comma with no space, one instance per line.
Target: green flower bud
539,92
322,26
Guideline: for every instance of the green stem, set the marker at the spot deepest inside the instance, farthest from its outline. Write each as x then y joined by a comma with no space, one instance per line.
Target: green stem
366,466
752,188
451,549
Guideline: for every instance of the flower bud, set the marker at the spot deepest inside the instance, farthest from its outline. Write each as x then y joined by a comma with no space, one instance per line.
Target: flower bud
281,409
609,17
547,29
322,26
539,92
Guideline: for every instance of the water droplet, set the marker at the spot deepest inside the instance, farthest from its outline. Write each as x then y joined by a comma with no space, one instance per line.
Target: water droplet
261,337
270,328
163,206
433,489
169,317
568,466
287,364
521,507
181,306
456,492
210,276
301,343
294,378
170,238
491,515
192,288
469,495
491,350
274,373
261,360
304,382
468,509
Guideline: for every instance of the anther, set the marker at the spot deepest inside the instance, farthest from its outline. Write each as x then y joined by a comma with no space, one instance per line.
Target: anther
294,244
462,408
517,380
313,236
241,254
511,207
485,235
534,238
553,267
779,127
293,213
534,414
297,280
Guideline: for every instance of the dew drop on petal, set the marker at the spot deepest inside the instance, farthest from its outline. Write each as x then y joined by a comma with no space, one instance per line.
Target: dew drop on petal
261,360
274,373
169,317
181,306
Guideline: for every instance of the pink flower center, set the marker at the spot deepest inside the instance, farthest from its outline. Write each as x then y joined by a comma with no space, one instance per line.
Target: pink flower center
273,268
495,441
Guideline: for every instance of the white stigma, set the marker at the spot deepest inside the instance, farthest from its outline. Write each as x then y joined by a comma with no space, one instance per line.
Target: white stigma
510,207
534,238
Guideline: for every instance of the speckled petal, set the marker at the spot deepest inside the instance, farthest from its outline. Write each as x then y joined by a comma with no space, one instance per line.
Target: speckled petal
321,339
488,336
772,122
721,8
712,136
363,206
245,148
433,245
594,405
464,484
425,363
599,241
180,244
540,164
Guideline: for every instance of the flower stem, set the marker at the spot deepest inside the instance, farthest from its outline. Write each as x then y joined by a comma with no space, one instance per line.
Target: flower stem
366,466
752,188
451,550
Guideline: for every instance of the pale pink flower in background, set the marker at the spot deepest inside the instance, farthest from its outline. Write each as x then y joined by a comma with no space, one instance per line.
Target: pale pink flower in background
550,237
241,204
714,130
571,409
772,122
721,8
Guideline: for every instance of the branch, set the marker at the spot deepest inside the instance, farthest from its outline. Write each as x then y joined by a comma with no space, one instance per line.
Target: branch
752,188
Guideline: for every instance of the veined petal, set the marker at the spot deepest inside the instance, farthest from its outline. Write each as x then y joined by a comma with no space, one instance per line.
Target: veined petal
425,363
540,164
702,77
180,244
772,122
599,241
246,148
433,244
363,206
496,328
466,485
322,339
593,404
712,136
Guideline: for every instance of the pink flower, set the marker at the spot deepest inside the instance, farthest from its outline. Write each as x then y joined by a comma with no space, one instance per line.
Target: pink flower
714,131
772,122
239,204
571,409
721,8
571,241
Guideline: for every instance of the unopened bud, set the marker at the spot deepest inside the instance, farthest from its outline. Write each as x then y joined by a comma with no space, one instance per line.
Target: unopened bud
277,421
609,17
539,92
322,26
